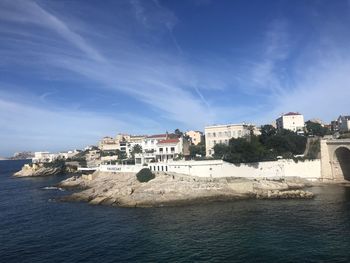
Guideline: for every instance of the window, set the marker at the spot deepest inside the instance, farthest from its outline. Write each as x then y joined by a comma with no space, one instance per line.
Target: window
209,134
214,134
172,149
234,134
214,142
161,149
220,134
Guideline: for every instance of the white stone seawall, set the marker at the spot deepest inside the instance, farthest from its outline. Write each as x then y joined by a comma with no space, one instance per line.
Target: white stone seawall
309,169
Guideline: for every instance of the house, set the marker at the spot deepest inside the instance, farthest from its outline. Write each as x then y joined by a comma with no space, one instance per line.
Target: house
221,134
170,149
292,121
344,123
196,137
162,148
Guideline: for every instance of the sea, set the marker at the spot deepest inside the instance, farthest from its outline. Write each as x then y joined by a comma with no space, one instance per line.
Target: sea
36,227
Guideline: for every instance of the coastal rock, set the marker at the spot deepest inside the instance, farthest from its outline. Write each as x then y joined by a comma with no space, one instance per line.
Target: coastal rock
35,170
288,194
123,189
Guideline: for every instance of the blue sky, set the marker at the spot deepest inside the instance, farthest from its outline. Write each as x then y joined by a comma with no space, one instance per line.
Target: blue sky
73,71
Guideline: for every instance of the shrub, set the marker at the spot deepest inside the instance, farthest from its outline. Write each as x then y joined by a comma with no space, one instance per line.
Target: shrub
145,175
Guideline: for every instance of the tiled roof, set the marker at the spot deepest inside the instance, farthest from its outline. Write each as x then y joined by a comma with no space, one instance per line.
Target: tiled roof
291,113
158,136
168,141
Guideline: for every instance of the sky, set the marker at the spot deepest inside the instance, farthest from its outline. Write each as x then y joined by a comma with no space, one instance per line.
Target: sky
74,71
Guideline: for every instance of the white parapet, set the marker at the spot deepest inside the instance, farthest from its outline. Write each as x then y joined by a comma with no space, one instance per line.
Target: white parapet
217,168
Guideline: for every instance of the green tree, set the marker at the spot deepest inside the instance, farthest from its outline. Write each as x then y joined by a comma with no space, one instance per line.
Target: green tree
145,175
121,155
242,150
178,132
221,151
137,148
314,128
267,131
286,141
196,150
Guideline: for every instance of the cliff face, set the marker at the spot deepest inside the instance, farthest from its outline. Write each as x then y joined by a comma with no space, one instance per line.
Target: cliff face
123,189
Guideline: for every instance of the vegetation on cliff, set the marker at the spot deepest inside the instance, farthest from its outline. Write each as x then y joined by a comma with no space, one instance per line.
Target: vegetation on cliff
145,175
265,147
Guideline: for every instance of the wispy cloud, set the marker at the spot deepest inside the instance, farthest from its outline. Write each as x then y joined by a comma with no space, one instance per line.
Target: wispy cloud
133,52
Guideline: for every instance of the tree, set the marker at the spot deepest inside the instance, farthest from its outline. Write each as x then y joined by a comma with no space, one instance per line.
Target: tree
221,150
267,131
178,132
137,148
314,128
121,155
145,175
286,141
242,150
196,150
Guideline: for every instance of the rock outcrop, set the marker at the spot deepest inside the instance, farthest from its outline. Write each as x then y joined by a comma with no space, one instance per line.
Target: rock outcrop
123,189
46,169
35,170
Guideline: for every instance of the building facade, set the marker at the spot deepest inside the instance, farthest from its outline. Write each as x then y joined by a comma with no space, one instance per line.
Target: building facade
344,123
196,137
108,144
292,121
221,134
162,148
44,157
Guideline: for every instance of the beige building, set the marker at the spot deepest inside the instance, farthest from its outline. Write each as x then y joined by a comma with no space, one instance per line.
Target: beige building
122,142
293,121
108,144
195,136
221,134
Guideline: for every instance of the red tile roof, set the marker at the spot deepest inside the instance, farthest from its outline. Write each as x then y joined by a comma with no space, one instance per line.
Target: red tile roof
291,113
158,136
169,141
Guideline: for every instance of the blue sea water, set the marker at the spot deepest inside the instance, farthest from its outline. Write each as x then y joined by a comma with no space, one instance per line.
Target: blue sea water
35,228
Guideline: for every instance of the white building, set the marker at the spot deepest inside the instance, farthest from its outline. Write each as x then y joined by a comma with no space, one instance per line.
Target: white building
292,121
44,157
344,123
122,142
169,149
69,154
149,144
162,147
195,136
221,134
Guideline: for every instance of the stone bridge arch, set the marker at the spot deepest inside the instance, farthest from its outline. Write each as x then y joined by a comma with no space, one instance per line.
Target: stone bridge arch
335,160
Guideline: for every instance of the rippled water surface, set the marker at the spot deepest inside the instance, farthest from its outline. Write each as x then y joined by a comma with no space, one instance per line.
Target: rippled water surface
34,228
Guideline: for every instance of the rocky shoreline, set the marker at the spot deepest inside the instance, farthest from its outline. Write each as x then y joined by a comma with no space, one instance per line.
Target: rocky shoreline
45,169
169,189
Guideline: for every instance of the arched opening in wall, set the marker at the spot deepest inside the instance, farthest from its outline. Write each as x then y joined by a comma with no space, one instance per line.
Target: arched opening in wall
342,155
